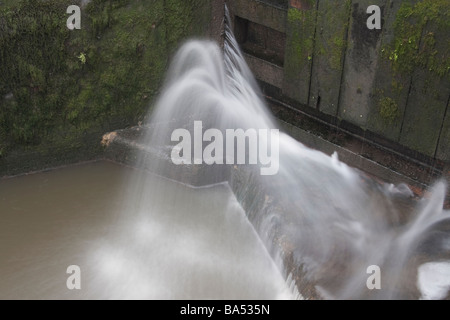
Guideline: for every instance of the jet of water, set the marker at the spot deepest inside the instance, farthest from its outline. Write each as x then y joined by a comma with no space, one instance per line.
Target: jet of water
323,222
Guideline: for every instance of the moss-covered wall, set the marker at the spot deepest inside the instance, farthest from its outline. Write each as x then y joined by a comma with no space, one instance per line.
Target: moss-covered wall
60,90
391,84
330,44
300,35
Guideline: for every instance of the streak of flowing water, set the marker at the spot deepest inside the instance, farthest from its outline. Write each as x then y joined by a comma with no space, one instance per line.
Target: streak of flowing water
323,222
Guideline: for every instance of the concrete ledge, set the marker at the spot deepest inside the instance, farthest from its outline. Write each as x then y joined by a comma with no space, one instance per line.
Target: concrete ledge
128,147
124,146
350,158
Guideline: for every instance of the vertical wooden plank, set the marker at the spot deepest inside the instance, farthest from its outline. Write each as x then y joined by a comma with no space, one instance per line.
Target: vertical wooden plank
430,86
390,95
361,62
330,45
300,30
424,113
443,150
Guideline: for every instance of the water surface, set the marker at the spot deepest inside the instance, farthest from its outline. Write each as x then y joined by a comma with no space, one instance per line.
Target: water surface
184,244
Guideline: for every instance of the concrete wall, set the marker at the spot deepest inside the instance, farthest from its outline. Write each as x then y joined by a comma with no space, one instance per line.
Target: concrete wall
392,84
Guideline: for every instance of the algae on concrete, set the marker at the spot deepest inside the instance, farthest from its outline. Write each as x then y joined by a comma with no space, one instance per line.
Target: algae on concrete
60,90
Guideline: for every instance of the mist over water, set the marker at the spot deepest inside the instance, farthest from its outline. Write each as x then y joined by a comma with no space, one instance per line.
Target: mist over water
178,243
183,243
322,222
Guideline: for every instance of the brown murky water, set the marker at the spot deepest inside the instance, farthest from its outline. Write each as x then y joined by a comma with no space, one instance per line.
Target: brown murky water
200,246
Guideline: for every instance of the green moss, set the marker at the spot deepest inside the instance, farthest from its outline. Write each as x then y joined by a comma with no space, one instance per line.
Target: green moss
388,109
58,86
333,44
8,3
337,48
300,48
31,51
183,18
415,47
295,15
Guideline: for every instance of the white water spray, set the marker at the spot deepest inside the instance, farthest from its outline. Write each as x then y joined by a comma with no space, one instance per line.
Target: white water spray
323,222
